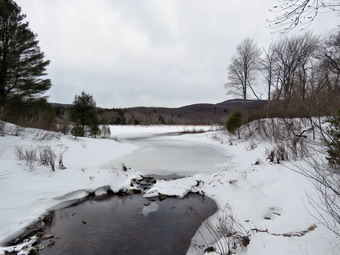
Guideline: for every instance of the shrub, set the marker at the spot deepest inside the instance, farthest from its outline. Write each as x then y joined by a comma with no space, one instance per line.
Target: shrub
27,155
19,152
225,235
61,163
192,131
61,159
47,157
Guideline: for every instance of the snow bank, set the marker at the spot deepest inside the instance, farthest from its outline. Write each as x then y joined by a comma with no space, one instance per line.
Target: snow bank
270,203
26,193
269,200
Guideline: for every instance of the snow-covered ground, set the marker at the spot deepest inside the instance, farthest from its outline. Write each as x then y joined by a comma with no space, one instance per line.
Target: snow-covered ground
268,198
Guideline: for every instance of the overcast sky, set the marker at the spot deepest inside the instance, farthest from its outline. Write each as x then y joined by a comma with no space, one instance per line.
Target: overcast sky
147,52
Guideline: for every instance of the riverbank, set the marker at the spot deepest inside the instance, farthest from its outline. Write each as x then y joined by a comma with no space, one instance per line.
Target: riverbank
268,200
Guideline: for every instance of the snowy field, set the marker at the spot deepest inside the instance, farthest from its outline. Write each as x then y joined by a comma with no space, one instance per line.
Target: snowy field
268,200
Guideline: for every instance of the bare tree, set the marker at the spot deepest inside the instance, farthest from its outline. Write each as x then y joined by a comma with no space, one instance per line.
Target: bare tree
323,78
243,68
291,13
330,52
291,58
268,70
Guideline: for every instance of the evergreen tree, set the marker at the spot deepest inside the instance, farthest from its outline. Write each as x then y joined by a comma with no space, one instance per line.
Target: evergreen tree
94,128
84,114
234,123
105,131
22,63
333,143
77,130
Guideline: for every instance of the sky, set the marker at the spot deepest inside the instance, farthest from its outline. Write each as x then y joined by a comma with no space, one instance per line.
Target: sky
165,53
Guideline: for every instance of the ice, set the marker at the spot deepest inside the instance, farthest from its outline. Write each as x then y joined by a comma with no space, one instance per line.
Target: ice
265,196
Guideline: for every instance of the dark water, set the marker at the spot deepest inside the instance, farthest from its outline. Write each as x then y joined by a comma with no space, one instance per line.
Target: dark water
116,225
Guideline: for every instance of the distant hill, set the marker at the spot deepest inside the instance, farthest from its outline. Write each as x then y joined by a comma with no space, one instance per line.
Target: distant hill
195,114
239,103
228,105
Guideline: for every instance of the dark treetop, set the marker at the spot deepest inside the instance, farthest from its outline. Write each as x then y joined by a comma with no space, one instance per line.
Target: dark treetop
22,63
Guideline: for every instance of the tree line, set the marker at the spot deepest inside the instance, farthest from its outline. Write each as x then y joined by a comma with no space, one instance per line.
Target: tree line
301,73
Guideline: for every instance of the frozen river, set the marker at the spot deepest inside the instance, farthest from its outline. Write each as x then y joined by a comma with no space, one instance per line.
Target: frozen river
171,153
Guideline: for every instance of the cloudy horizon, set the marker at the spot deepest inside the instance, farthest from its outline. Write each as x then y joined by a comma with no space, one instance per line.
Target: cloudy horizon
147,53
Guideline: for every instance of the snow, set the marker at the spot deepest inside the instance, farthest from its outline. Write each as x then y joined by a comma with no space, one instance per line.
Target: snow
264,196
26,193
178,188
170,153
130,132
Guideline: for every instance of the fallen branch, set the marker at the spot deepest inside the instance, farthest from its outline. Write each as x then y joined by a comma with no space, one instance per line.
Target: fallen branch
291,234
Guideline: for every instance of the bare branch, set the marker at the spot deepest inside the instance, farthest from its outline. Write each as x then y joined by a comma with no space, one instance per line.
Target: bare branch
290,14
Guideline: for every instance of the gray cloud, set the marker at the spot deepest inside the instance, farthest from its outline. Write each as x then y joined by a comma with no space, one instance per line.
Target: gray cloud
150,52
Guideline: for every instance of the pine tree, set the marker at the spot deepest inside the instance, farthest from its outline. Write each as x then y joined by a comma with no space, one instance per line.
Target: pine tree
22,63
333,143
234,123
84,115
77,130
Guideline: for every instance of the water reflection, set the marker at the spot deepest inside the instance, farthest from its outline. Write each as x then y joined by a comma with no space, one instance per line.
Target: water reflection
120,225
